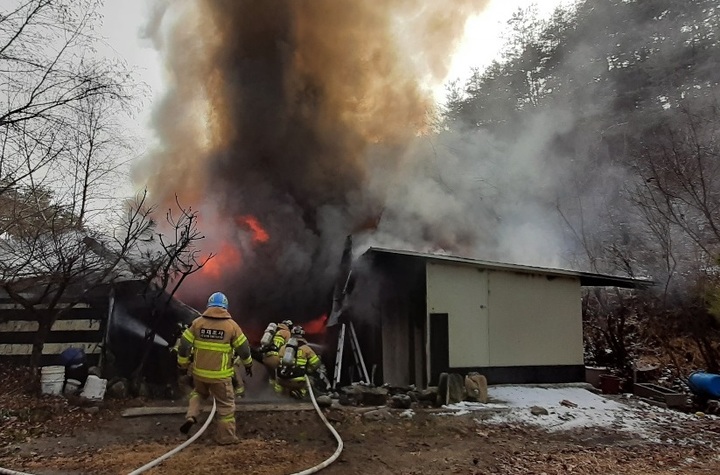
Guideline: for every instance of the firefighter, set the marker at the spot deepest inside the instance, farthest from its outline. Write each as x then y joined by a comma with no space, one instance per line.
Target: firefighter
273,339
212,339
297,361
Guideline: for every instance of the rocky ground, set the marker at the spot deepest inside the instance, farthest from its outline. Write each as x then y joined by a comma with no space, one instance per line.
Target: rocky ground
497,438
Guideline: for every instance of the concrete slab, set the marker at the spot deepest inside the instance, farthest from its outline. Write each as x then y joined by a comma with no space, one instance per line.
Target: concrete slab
255,407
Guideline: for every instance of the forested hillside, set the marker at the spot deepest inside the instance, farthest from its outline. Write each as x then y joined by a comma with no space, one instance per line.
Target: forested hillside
604,120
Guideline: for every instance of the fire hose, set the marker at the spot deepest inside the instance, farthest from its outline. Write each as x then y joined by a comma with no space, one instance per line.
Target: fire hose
335,434
159,460
308,471
7,471
177,449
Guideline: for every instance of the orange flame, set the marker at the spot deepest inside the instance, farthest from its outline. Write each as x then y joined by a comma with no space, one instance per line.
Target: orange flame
316,326
227,256
259,233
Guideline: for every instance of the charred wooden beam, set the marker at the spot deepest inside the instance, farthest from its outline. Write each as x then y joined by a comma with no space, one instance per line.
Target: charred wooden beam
341,283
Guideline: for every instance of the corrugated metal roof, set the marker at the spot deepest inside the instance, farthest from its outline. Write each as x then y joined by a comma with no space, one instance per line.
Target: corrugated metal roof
586,278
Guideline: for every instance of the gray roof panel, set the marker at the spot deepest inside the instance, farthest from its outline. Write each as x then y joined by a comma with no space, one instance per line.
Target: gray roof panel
586,278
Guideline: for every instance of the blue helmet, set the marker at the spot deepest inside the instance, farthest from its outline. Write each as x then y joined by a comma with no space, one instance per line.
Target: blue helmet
218,299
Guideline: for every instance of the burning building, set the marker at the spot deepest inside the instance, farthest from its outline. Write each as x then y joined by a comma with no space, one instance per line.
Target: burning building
289,125
279,122
424,314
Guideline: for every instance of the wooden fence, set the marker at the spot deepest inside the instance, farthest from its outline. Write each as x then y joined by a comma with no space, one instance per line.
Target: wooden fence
82,326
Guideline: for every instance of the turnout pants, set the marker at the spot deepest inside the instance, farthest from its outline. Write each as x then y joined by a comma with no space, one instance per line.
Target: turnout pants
225,399
237,382
271,362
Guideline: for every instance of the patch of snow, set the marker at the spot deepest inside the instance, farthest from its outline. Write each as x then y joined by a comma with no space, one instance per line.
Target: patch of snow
407,413
475,406
511,404
453,410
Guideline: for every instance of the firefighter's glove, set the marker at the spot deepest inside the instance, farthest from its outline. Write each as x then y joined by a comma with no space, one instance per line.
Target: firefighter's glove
248,370
183,362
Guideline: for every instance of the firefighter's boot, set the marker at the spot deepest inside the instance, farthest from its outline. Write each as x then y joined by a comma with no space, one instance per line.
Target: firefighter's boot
298,393
185,428
226,430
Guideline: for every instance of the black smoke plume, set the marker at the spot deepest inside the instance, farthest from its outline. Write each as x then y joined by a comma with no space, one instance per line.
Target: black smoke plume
283,110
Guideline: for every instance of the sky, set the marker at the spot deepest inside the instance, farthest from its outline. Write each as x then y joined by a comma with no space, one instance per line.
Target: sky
124,21
484,34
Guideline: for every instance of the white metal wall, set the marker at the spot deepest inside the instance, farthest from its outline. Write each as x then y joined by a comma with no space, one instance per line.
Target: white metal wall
534,320
498,318
461,292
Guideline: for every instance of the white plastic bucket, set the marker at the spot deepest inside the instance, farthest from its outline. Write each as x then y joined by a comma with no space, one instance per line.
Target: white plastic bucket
71,386
94,388
52,379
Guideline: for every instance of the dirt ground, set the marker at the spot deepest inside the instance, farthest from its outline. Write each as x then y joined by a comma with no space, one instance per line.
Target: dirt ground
426,443
51,436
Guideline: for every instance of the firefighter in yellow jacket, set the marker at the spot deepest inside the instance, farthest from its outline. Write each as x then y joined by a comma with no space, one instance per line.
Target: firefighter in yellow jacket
297,360
213,339
273,339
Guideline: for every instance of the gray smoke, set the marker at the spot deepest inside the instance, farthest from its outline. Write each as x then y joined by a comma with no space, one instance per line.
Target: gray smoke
284,111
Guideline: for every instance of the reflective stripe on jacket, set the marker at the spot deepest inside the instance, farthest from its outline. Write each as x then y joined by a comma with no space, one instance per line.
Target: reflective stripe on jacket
212,339
282,335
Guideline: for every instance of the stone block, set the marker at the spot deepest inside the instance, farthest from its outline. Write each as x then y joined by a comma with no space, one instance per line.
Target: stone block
476,387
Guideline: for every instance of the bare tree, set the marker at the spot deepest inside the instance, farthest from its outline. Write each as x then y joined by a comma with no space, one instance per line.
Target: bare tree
678,196
47,65
58,149
97,159
49,267
54,92
681,176
165,266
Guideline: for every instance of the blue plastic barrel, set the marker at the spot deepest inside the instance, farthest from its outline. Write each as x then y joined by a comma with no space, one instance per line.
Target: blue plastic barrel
72,356
705,384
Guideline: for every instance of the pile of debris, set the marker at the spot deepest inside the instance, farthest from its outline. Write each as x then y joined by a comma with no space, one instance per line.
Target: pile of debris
452,388
699,392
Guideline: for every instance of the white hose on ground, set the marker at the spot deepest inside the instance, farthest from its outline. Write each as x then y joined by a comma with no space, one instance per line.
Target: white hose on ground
7,471
334,456
157,461
177,449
